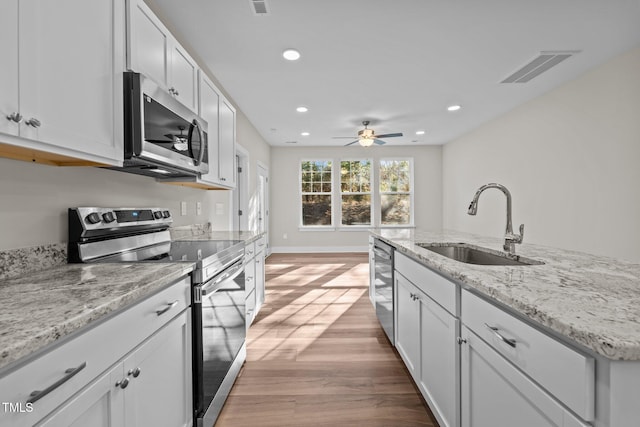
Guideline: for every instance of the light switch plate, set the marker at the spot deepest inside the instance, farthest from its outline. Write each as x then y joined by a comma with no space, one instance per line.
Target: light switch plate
198,208
183,208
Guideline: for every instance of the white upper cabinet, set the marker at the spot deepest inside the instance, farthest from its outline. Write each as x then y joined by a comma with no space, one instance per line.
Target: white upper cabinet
9,104
209,99
154,52
227,143
61,84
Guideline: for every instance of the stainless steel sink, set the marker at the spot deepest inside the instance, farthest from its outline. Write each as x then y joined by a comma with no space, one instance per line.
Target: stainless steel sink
475,255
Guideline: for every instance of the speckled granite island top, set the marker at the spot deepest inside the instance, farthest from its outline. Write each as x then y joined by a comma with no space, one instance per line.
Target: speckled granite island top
42,307
592,300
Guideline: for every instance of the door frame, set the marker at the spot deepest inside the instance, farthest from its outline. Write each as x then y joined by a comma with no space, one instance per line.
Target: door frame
240,194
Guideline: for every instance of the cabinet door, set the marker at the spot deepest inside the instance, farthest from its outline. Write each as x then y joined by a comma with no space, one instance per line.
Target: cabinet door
227,148
208,110
495,393
260,285
71,59
147,42
183,76
439,361
372,276
9,65
160,389
100,404
408,325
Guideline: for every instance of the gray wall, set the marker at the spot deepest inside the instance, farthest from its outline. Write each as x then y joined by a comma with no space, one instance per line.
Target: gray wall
571,160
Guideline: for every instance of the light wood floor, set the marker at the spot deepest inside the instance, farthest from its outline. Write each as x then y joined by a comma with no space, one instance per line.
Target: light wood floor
316,355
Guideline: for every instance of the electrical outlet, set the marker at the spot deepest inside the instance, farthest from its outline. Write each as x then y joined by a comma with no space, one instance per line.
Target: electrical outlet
183,208
198,208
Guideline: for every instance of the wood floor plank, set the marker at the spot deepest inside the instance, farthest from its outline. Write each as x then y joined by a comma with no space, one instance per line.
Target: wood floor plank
317,356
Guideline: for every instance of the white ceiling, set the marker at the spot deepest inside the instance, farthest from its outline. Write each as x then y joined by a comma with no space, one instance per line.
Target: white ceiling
396,63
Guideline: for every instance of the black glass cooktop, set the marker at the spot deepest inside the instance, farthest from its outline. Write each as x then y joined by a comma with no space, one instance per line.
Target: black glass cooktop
181,250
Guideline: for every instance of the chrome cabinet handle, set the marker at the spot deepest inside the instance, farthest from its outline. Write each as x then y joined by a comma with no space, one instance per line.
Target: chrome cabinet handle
39,394
15,117
509,341
167,308
123,383
33,122
461,340
223,178
135,372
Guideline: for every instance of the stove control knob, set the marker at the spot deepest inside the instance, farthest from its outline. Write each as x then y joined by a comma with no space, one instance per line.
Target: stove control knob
108,217
157,214
166,214
93,218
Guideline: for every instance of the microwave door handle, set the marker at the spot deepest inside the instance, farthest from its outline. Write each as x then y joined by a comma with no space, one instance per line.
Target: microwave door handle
196,125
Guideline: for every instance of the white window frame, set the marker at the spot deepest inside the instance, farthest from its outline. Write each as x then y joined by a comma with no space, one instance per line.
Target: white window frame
301,225
411,193
372,182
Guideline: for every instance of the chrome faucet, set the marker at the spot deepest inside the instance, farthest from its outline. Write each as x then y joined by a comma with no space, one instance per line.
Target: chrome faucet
510,239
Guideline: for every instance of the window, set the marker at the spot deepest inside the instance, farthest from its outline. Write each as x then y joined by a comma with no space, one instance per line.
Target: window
355,192
316,192
395,192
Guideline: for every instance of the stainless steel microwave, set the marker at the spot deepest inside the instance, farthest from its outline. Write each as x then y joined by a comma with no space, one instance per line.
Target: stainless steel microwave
162,137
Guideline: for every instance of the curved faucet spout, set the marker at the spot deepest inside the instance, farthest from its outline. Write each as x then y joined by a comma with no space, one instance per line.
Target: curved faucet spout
509,238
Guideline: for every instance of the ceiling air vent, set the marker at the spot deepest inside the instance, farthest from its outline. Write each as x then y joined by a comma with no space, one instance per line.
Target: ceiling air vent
259,7
539,65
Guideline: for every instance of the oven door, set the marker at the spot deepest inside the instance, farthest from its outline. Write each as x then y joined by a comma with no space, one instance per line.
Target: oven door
160,131
219,327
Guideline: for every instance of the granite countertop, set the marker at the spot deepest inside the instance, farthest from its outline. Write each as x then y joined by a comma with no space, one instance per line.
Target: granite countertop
42,307
246,236
591,300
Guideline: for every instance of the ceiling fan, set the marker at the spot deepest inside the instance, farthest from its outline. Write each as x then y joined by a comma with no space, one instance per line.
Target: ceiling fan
367,137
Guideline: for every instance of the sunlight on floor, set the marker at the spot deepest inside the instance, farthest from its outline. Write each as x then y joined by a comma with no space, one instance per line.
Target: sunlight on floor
307,317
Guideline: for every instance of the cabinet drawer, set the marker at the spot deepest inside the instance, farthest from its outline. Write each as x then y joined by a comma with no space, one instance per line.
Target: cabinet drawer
261,244
87,355
564,372
438,288
250,250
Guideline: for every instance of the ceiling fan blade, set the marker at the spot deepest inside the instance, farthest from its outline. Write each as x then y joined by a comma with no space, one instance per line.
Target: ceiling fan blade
379,141
389,135
351,143
342,137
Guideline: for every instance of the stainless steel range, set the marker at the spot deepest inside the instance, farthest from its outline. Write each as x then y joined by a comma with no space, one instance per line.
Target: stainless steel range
218,291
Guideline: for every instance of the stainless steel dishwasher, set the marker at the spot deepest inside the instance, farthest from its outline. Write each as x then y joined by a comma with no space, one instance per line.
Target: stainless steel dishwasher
384,286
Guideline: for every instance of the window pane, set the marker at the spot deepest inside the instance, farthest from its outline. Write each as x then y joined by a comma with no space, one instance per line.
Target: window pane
356,209
316,210
395,209
326,187
306,187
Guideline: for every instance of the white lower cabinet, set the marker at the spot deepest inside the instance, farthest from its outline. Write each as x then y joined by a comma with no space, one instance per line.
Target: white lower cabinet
147,388
495,393
408,324
101,404
439,361
426,340
134,369
159,392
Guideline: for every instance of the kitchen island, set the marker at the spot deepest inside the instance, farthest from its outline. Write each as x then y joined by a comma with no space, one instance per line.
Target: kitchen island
588,304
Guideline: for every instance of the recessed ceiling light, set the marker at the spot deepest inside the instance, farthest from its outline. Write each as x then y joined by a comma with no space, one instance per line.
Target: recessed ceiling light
302,109
305,134
420,132
291,54
291,142
453,107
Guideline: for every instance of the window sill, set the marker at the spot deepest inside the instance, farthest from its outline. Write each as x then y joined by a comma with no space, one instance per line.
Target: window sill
312,228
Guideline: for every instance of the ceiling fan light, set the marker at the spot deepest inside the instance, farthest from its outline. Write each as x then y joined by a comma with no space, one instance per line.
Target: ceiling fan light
365,142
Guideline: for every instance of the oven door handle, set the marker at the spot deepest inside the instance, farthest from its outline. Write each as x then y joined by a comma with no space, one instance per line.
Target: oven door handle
230,274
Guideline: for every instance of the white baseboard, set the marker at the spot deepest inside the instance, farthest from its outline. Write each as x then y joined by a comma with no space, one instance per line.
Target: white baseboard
317,249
